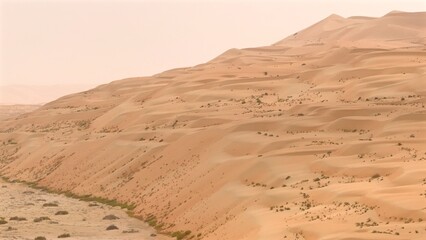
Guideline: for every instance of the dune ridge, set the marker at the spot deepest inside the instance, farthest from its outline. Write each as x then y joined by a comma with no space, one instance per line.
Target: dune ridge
319,136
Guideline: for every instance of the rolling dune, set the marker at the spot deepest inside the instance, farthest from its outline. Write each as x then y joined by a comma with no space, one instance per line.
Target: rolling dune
320,136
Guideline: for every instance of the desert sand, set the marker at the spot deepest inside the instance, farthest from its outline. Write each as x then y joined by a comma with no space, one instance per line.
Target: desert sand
319,136
29,213
10,111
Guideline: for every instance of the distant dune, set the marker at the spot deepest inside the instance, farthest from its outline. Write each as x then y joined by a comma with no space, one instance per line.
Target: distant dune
319,136
28,94
9,111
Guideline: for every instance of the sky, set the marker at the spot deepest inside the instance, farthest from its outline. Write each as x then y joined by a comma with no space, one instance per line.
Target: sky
64,42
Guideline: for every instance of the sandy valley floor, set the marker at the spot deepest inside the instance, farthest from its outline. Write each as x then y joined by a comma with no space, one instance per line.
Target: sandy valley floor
82,220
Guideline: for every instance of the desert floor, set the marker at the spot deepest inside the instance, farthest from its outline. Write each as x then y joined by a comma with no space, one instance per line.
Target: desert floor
83,221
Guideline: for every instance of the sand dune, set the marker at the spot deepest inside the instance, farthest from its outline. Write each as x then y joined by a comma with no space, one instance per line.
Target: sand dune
319,136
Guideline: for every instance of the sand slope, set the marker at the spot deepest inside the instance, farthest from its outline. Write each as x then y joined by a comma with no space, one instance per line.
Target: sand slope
319,136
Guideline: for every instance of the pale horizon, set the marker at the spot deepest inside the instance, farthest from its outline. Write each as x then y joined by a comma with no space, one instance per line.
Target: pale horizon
45,43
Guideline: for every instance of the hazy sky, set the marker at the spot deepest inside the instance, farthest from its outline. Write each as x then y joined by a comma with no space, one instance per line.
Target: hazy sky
93,42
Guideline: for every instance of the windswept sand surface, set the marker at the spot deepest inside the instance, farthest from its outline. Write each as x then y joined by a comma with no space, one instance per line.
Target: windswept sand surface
83,220
320,136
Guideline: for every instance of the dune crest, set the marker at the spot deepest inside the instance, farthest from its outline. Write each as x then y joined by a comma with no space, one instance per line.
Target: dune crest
319,136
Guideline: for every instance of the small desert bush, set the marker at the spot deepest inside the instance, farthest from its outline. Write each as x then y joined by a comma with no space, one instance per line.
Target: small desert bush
39,219
17,219
110,217
375,176
50,205
111,227
180,234
61,213
65,235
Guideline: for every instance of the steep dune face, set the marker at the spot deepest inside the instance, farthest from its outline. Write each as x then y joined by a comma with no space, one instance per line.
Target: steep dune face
320,136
